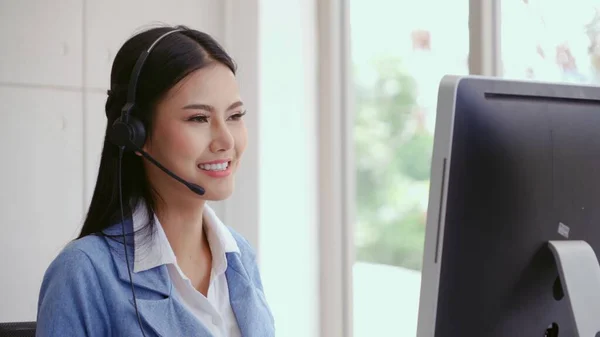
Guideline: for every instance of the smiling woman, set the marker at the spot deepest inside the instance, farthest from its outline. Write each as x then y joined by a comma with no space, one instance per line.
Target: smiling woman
191,274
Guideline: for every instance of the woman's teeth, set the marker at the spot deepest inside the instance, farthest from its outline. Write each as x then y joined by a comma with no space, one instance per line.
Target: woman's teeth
214,167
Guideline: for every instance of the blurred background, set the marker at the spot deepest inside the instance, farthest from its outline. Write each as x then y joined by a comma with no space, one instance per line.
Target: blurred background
342,99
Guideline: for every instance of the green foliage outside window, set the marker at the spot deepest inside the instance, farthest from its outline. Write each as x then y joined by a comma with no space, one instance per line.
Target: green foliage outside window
393,156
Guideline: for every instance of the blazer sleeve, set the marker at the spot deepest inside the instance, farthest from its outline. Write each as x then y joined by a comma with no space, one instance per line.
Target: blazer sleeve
71,301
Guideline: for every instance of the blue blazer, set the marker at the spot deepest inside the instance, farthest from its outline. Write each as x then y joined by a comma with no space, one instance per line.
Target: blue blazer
86,292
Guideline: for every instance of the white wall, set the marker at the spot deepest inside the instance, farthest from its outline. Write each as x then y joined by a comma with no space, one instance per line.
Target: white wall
54,73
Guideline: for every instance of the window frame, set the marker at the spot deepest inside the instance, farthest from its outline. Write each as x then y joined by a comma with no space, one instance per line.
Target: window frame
336,181
485,55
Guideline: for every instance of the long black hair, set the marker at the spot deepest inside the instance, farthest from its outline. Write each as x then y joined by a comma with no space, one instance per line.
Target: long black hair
176,56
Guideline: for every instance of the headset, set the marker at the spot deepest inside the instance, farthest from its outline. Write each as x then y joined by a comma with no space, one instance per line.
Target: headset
129,134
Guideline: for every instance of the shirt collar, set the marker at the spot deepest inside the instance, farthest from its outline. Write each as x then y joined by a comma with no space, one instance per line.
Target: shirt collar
152,249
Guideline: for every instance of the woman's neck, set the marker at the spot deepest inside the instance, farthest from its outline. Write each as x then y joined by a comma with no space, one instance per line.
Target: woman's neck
184,228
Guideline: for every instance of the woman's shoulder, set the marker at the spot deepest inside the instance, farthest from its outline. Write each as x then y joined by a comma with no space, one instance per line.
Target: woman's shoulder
93,246
87,255
70,284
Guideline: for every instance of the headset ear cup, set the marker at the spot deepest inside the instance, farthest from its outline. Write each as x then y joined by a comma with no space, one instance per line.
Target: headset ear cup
131,135
138,134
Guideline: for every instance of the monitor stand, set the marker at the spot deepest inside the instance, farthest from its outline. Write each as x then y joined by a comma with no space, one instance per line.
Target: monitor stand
580,278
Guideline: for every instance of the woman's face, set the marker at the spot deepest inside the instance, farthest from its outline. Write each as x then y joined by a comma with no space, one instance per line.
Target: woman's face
199,133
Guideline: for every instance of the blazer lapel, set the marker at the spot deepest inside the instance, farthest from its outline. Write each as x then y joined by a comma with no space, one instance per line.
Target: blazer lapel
246,300
168,317
160,308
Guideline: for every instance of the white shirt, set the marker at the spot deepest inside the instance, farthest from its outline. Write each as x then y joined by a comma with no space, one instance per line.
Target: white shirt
214,310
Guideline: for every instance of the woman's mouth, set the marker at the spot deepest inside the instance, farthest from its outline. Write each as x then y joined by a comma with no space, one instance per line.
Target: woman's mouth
215,167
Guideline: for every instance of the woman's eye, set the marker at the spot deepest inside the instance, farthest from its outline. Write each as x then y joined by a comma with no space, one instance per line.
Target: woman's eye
199,119
237,116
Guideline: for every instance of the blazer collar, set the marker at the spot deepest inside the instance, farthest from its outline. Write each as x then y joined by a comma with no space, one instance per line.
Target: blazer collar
155,279
153,249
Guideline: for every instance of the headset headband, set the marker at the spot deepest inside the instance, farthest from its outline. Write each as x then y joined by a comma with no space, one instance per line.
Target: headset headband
137,69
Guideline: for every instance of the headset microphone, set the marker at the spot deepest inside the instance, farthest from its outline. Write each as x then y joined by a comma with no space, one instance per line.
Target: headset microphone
193,187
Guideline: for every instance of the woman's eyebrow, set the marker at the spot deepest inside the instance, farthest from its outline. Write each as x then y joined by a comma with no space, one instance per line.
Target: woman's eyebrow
210,108
196,106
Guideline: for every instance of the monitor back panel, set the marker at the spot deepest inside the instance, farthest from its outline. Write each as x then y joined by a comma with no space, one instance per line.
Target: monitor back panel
525,169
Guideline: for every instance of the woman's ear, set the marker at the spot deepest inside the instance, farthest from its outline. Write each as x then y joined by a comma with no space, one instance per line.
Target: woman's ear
144,148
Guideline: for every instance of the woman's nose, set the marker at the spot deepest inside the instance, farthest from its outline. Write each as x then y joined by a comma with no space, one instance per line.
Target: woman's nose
222,139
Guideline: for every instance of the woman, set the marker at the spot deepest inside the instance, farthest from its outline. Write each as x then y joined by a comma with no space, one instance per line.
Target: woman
187,274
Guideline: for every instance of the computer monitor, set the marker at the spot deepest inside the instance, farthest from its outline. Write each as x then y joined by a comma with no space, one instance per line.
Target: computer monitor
513,223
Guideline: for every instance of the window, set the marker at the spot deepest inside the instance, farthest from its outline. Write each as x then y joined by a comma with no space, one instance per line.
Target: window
541,42
400,51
